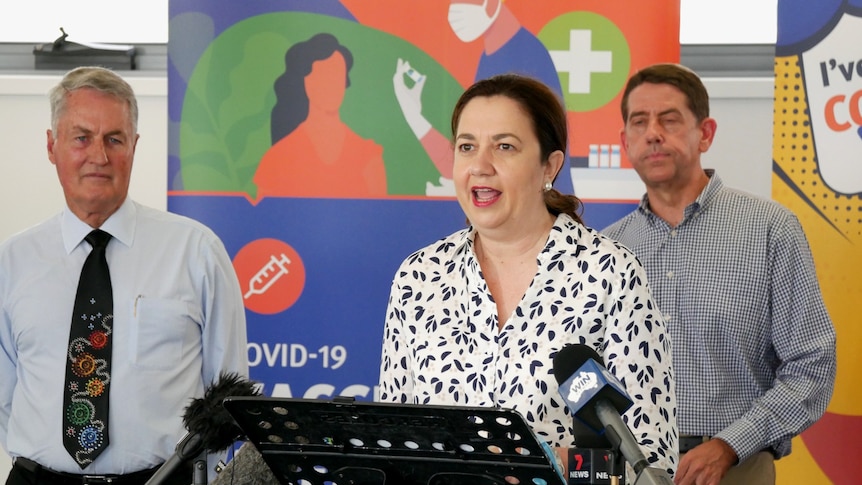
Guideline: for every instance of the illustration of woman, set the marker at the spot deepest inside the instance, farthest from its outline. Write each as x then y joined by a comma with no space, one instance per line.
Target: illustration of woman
314,153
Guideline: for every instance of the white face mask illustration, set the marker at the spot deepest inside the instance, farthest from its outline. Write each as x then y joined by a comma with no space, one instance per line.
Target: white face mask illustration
469,22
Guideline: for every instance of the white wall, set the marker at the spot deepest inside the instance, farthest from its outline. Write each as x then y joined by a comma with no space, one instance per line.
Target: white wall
742,150
29,191
700,22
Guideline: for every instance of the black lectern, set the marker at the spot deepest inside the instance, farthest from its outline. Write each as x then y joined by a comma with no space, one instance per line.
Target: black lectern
342,441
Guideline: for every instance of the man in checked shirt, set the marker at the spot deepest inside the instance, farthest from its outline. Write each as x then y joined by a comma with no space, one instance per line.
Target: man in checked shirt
753,345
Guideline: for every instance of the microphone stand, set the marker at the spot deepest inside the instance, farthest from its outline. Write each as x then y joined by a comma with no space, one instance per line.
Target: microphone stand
189,447
199,473
616,465
645,474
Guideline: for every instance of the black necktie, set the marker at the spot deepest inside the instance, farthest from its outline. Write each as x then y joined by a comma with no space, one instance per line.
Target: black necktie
85,402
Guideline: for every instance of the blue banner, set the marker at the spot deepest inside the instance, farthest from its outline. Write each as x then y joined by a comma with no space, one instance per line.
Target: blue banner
312,137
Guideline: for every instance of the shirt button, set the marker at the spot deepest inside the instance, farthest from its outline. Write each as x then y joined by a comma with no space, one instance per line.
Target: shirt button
673,233
669,274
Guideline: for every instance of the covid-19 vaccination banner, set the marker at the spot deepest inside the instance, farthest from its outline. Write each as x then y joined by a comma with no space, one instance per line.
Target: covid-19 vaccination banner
313,138
817,173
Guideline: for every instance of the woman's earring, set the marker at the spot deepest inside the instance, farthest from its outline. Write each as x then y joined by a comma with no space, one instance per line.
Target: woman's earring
548,186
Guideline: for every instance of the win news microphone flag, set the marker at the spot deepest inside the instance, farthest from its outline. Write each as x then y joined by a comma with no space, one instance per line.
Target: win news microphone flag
586,382
593,460
598,398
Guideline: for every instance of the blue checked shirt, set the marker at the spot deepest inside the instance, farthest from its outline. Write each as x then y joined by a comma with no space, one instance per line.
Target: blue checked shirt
753,345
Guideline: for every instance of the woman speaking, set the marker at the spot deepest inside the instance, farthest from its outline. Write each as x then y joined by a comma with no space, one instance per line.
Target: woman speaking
476,318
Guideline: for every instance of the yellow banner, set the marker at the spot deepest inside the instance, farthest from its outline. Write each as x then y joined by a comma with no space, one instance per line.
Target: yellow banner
817,173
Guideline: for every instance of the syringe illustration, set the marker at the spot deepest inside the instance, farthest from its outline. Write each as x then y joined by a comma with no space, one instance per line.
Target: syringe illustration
266,276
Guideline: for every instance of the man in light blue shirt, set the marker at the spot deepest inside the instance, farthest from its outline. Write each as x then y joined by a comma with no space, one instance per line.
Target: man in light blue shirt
178,322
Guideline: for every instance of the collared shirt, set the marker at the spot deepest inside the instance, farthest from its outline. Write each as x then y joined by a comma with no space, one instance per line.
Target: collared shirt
178,321
754,349
442,344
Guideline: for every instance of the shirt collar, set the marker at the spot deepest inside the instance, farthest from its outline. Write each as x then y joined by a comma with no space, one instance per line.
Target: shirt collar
710,192
466,239
120,225
707,195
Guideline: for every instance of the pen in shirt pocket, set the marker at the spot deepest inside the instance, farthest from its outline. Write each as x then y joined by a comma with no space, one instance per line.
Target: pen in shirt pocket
135,308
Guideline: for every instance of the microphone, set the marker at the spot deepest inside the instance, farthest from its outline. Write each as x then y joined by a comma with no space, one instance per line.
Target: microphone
597,398
593,460
210,427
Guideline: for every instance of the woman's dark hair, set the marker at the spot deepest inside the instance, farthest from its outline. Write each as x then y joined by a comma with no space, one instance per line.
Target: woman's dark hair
549,123
291,107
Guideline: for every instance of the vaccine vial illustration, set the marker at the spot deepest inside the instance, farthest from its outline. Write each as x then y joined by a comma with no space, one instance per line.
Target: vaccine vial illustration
413,74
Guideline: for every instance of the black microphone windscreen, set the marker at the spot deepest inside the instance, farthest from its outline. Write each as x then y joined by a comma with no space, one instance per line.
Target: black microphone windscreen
570,358
208,417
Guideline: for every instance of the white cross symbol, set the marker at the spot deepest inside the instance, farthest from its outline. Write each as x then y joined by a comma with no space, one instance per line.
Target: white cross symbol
580,61
92,301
